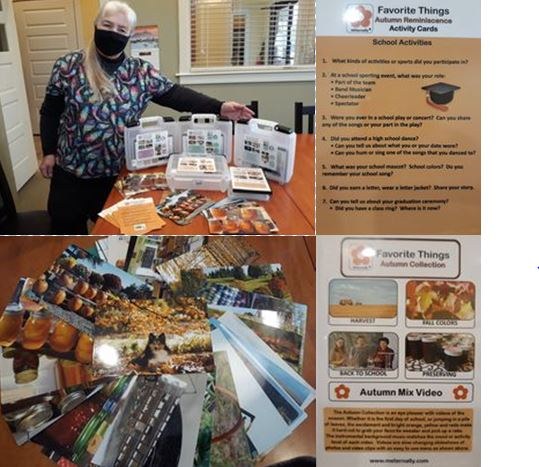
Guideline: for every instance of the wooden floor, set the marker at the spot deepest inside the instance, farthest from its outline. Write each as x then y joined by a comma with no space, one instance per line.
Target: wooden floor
30,256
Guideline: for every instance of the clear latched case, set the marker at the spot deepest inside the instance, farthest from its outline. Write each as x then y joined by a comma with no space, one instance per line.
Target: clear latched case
205,135
150,142
198,173
268,145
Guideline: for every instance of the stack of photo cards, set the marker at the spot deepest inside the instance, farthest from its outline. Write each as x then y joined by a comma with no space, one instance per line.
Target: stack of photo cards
134,183
104,369
135,216
46,367
249,183
183,207
237,216
270,393
83,307
279,323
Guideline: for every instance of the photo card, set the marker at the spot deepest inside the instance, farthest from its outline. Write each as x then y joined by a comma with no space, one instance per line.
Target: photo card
440,303
363,354
363,301
183,207
440,356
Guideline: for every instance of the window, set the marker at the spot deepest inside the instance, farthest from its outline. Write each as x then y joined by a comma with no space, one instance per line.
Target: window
282,33
238,40
246,40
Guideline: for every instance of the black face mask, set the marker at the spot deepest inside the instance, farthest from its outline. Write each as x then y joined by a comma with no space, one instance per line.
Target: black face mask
109,43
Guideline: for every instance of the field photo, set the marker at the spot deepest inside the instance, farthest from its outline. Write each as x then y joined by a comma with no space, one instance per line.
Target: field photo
363,298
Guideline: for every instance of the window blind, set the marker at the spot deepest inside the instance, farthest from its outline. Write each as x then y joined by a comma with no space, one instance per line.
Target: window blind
252,33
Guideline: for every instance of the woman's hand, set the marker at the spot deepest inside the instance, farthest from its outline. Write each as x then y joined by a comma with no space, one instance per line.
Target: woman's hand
47,165
234,111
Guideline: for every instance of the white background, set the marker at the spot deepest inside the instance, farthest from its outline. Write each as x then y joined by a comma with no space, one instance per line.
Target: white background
510,239
329,249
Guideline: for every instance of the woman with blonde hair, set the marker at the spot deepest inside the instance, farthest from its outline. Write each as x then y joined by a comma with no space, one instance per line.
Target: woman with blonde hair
91,96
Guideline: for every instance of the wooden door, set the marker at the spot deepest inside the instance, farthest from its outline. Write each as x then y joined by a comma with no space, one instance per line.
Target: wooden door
47,29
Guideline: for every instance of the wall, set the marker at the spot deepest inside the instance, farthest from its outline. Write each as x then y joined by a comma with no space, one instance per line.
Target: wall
276,100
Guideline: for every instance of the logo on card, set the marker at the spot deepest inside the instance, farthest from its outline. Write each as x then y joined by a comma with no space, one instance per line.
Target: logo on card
361,257
460,393
358,17
342,391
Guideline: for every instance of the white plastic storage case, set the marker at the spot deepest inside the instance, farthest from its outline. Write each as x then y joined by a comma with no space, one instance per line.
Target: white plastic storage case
195,135
136,160
205,135
268,145
189,180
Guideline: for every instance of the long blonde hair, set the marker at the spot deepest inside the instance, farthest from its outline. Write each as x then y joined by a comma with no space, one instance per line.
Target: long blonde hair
100,83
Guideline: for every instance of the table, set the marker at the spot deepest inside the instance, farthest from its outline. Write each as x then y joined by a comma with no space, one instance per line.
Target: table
291,206
30,256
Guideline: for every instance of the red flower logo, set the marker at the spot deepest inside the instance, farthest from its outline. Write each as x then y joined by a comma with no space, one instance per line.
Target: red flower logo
342,391
460,393
358,256
365,17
